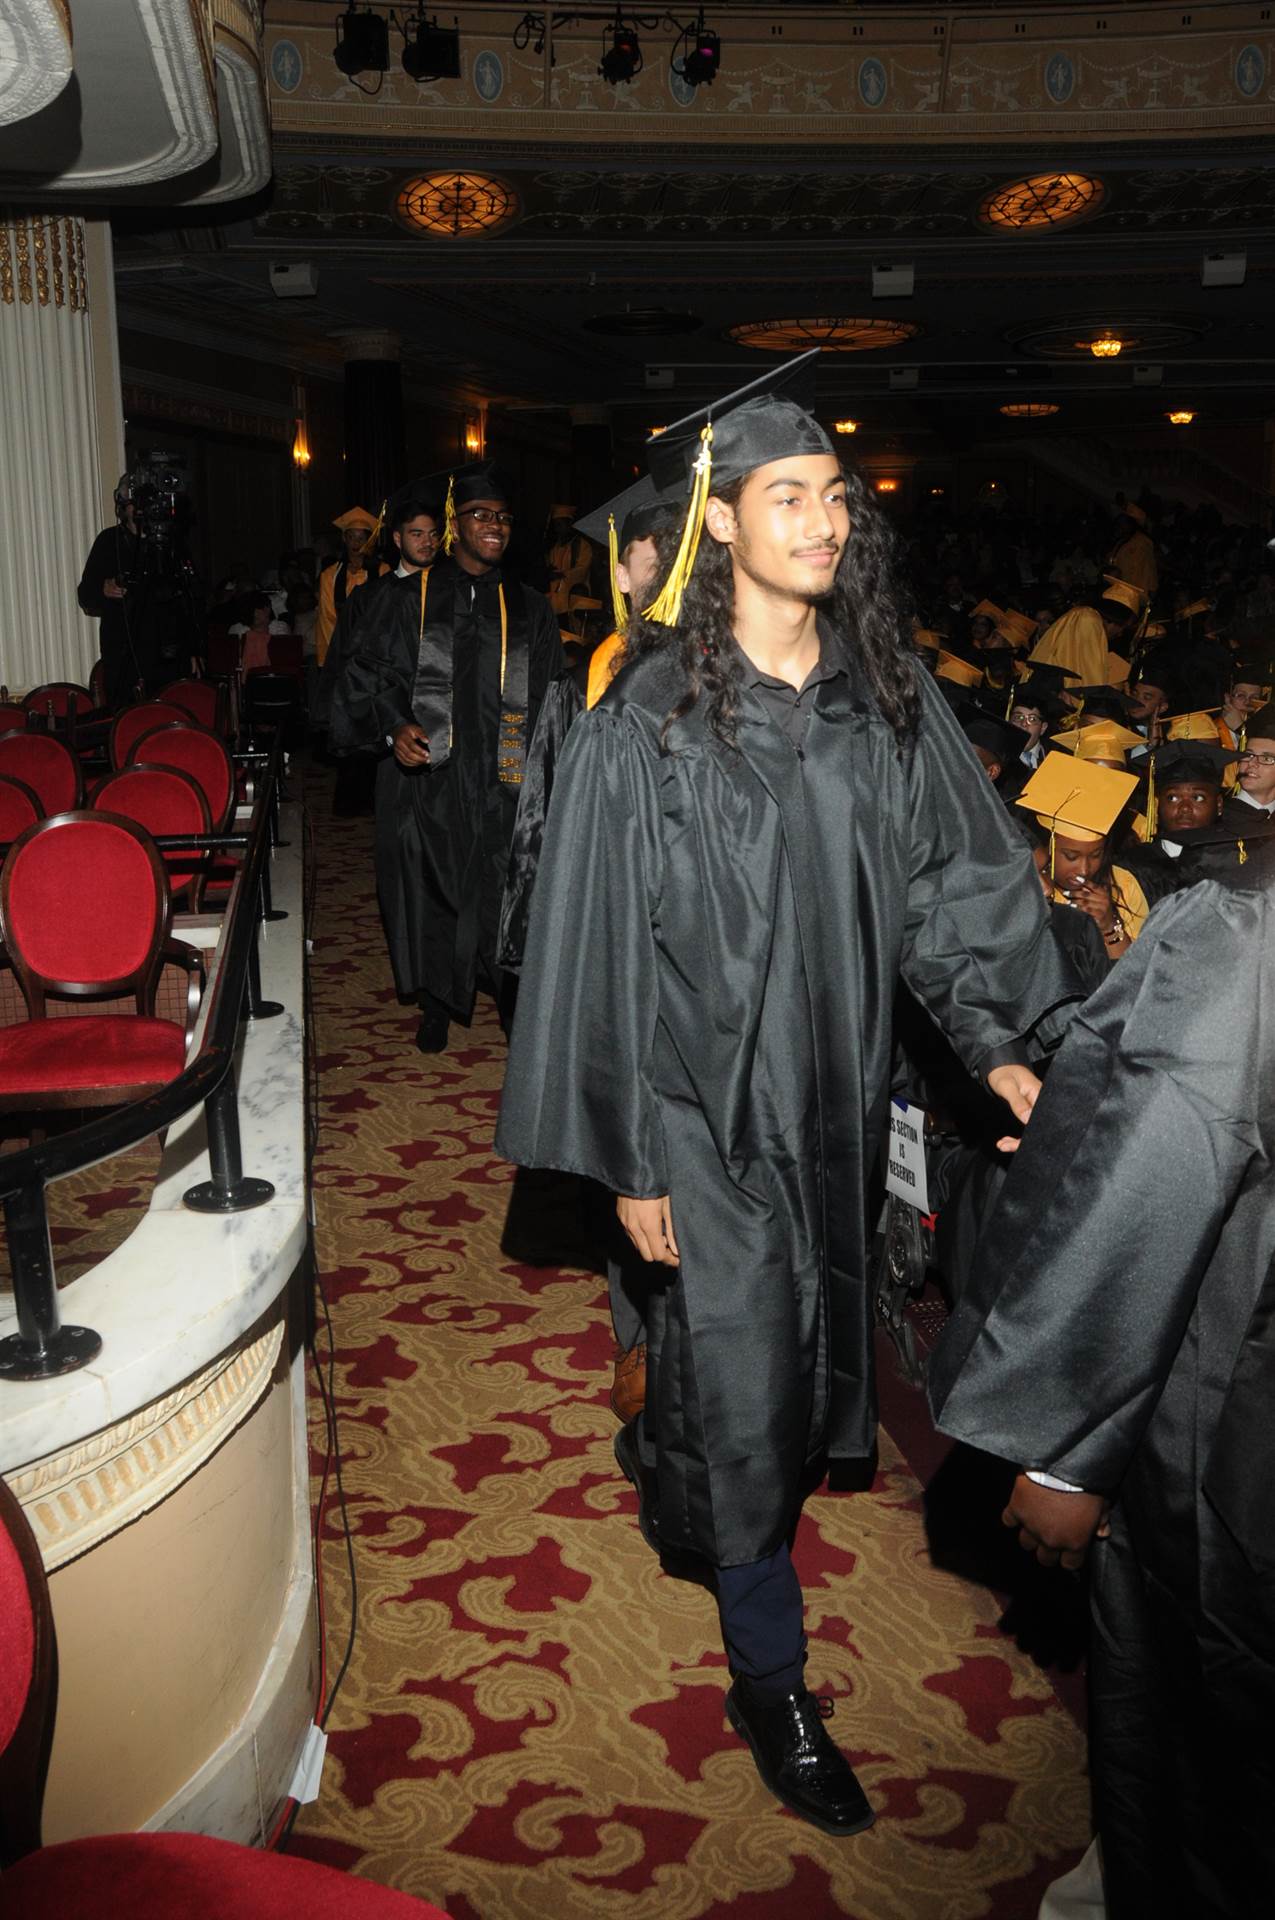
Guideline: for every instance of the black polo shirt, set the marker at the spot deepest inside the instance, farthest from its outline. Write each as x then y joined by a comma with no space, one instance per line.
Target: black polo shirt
788,706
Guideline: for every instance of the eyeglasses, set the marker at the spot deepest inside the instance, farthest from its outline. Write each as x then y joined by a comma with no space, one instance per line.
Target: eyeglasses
486,516
1259,759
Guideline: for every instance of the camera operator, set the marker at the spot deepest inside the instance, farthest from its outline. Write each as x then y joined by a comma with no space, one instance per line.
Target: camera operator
138,582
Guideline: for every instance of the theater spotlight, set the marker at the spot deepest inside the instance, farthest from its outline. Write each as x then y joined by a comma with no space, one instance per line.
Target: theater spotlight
702,56
362,42
432,52
622,60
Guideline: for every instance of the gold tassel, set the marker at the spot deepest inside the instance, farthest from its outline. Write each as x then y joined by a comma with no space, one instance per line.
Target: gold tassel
1243,851
1153,804
378,527
619,606
666,608
449,515
1009,704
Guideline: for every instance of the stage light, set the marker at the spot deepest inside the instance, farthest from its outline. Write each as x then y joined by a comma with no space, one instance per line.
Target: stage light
432,52
1180,417
622,60
845,426
701,55
362,42
1106,346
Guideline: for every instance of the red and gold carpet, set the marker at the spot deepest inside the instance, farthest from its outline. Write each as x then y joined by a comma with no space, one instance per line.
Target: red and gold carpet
531,1727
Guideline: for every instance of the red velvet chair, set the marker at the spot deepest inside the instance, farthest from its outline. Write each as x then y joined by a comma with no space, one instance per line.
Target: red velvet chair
84,914
164,801
127,1876
57,699
19,808
46,765
203,700
13,717
132,722
203,755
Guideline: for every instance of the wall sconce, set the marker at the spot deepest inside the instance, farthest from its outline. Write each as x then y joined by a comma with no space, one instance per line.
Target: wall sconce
1106,346
1180,417
845,426
474,436
887,486
301,448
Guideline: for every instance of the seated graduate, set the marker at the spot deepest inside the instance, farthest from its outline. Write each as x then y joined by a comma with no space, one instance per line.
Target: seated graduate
1075,804
998,746
1038,708
1254,796
1185,790
1248,690
1116,1342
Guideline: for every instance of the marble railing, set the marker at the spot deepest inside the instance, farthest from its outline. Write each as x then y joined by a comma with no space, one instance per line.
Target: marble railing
167,1481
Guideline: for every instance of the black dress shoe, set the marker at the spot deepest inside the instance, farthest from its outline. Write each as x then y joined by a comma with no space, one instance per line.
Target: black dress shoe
797,1760
431,1035
642,1480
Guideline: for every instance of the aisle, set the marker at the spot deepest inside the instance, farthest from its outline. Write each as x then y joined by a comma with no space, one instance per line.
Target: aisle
531,1726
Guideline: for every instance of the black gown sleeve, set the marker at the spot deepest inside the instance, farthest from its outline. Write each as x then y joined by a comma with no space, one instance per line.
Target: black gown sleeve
561,706
979,951
1087,1275
100,567
371,693
579,1089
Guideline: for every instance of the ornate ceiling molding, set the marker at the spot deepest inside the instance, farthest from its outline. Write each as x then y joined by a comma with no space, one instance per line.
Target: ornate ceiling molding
35,56
951,76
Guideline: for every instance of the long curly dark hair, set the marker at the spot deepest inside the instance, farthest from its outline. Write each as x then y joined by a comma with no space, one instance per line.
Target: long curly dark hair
868,606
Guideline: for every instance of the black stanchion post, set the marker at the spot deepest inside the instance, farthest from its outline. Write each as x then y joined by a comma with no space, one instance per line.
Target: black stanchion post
42,1346
269,911
258,1009
230,1190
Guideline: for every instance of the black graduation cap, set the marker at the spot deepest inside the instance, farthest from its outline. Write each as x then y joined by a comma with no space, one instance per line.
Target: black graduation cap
640,510
1103,703
478,480
1159,669
997,737
425,495
1220,852
1039,695
1044,677
769,419
1261,725
1179,760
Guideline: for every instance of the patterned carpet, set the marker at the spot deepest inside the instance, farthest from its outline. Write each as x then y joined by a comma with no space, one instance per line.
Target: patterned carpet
531,1727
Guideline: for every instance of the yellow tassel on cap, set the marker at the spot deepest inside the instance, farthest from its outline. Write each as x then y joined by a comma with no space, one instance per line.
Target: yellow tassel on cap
449,515
1243,851
666,608
1153,802
619,605
378,527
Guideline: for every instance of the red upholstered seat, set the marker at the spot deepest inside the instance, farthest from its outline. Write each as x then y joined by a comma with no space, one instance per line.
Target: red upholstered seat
46,765
164,801
93,1052
84,912
133,722
202,755
19,808
58,697
13,717
201,699
128,1876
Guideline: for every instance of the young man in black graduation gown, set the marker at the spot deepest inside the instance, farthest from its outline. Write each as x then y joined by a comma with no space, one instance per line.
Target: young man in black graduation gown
752,833
448,671
1118,1337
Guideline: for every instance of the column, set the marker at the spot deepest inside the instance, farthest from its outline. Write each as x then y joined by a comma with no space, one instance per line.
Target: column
375,454
61,437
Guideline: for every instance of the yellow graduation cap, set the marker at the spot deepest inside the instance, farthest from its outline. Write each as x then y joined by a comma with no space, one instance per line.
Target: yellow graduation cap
1075,798
1196,606
1124,593
928,639
1018,628
1135,513
1199,725
1102,740
952,667
355,517
1118,670
988,610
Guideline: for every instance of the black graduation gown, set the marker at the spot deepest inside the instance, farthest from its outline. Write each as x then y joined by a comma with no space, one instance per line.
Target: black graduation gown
1119,1329
563,703
442,831
714,943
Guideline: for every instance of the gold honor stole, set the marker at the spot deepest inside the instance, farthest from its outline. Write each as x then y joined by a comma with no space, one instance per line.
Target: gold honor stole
432,687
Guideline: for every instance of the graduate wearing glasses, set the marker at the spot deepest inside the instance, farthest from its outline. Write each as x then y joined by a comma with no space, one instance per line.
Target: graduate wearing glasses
446,687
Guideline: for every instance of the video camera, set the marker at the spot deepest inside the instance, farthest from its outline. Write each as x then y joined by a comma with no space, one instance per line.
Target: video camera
155,488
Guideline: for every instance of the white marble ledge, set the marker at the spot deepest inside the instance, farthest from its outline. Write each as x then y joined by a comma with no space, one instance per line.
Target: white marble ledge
185,1287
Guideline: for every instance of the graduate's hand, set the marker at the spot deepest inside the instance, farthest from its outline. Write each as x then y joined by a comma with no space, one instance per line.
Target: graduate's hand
649,1225
1055,1526
1019,1088
411,746
112,590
